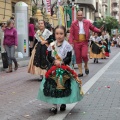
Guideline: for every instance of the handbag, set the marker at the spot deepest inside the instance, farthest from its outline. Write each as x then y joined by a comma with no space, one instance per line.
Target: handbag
4,59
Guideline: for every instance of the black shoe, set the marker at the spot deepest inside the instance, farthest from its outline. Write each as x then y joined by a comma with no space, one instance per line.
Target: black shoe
94,60
97,61
53,110
40,79
87,71
80,75
63,107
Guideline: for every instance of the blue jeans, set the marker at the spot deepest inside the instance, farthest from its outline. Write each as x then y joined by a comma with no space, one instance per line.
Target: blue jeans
11,54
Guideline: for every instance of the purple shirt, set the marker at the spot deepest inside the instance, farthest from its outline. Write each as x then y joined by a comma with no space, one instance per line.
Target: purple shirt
10,37
31,30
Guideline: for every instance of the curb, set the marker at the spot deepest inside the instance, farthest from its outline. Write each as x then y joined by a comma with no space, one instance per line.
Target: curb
22,63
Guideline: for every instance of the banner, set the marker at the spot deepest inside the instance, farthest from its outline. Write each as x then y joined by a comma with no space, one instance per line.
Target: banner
48,6
62,19
114,31
68,12
74,13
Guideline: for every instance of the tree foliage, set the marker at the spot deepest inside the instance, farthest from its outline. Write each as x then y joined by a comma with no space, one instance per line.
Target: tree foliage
108,22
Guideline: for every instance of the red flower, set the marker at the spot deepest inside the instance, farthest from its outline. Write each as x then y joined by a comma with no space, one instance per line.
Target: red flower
64,67
46,75
53,68
46,52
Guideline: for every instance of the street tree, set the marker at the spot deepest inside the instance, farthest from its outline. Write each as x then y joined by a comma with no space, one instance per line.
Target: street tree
108,22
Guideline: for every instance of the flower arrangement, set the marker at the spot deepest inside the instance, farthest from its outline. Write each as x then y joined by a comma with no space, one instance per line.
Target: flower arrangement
53,70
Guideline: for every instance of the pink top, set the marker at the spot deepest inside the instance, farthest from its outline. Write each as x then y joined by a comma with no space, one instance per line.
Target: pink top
74,30
31,30
10,37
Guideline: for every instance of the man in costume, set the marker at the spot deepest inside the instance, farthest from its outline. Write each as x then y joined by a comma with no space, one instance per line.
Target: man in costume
79,36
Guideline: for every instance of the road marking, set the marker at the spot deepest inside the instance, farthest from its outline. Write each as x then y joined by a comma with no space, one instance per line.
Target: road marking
86,87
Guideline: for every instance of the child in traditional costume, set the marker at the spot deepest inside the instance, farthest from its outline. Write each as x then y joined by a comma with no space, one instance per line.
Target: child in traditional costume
73,61
105,42
38,62
61,84
96,48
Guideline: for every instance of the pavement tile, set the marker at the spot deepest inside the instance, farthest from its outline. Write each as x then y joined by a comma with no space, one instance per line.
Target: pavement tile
103,98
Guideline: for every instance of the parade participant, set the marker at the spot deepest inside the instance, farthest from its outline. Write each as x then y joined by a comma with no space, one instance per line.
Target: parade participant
114,40
92,37
96,48
38,62
10,43
61,84
119,41
2,28
105,42
79,36
107,36
73,61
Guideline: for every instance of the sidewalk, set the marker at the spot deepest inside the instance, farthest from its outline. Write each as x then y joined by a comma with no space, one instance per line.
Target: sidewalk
21,61
102,98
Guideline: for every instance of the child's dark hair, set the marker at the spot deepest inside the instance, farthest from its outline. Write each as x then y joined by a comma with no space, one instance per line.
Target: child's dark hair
12,18
43,22
68,31
62,27
32,21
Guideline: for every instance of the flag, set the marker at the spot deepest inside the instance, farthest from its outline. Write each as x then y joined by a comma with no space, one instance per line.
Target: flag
74,13
48,6
58,13
62,19
68,12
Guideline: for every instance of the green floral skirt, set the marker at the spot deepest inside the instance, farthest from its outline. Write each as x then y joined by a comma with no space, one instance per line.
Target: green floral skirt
71,95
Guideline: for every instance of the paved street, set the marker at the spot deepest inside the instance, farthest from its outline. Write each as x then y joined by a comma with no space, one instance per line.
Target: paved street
18,92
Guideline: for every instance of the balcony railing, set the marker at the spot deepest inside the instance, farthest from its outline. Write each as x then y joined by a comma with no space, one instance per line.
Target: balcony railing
115,1
98,15
105,4
115,9
91,3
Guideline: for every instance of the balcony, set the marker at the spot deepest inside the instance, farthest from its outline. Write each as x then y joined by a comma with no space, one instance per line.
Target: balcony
97,15
116,17
115,9
90,3
115,1
104,3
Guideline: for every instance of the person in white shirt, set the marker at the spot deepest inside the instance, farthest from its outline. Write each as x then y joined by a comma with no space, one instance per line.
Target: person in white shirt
2,28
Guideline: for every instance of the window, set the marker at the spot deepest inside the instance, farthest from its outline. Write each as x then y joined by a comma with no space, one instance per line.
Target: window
13,8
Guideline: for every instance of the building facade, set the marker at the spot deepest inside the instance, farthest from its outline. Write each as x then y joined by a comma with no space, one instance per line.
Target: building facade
111,8
115,11
7,8
88,8
98,11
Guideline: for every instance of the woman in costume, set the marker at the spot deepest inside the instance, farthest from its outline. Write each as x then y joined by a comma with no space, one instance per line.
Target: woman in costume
114,40
38,62
61,84
107,36
104,41
73,61
97,49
